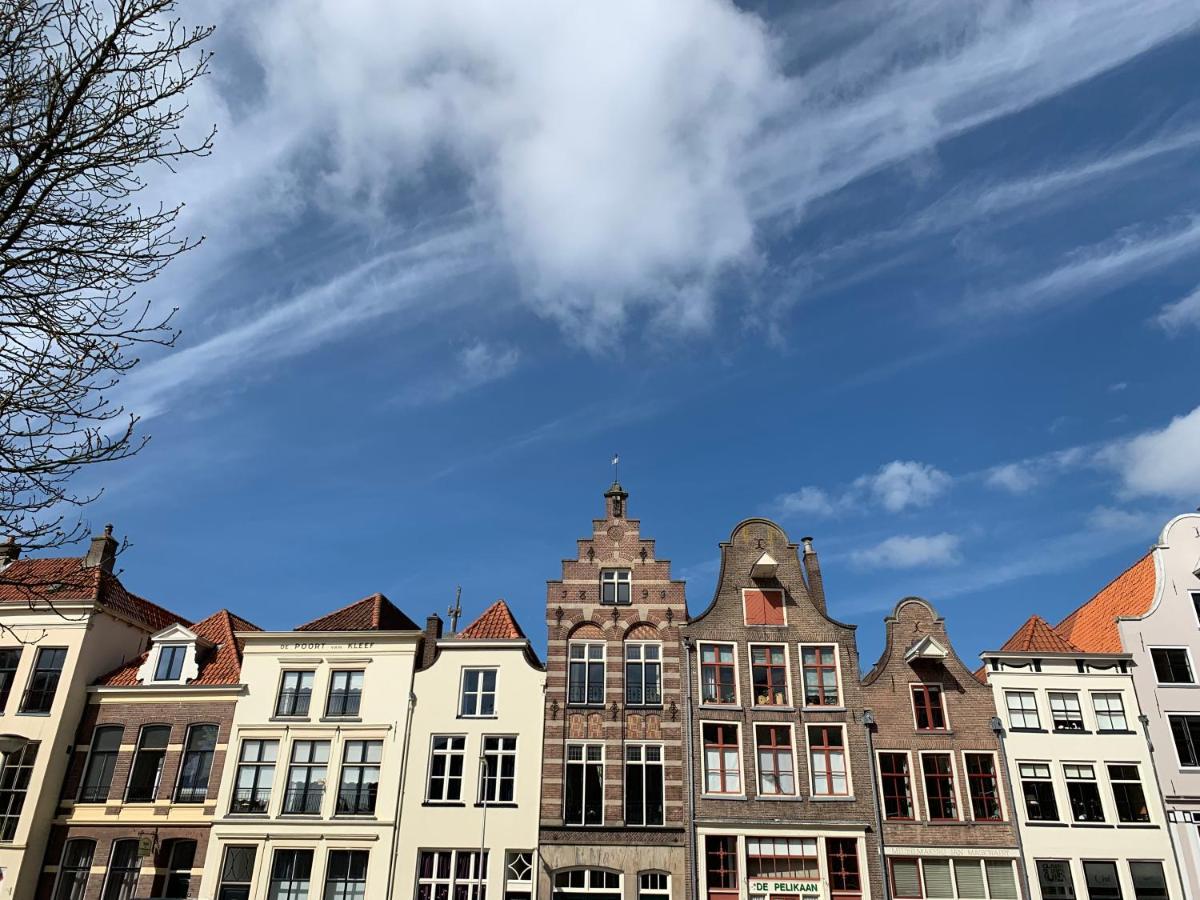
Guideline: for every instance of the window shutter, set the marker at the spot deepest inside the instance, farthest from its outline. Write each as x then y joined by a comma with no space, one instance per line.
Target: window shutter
1001,880
755,607
937,878
906,878
969,876
772,607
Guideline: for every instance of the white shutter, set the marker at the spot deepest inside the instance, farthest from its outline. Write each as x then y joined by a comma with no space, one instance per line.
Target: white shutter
937,878
1001,880
906,878
968,874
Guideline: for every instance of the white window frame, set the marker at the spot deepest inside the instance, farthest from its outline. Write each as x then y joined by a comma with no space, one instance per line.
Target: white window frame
1195,595
704,791
1108,819
783,606
589,888
472,881
448,754
849,795
954,784
947,725
158,659
1052,779
642,662
513,884
499,754
1050,695
787,671
655,893
1179,763
1111,795
617,582
587,662
1005,813
758,793
479,693
837,661
643,763
737,675
1191,664
603,782
1037,711
1120,695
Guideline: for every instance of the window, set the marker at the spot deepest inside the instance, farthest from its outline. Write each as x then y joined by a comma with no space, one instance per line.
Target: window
295,694
1149,880
983,785
937,878
345,693
74,869
499,769
927,707
819,671
937,770
446,768
124,867
643,674
10,657
587,884
768,673
643,784
197,764
102,759
722,758
256,771
654,886
1110,712
793,859
942,877
1103,883
1054,878
1065,712
360,778
306,778
479,693
763,607
721,866
148,764
237,873
616,587
14,784
895,786
1186,732
827,761
583,802
1128,793
43,683
1001,879
1196,603
906,877
450,875
841,856
346,875
180,856
1171,665
290,873
1038,789
1022,711
170,662
585,674
718,674
518,875
776,761
1083,793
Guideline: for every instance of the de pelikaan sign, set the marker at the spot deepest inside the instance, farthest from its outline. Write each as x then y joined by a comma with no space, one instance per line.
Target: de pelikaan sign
795,888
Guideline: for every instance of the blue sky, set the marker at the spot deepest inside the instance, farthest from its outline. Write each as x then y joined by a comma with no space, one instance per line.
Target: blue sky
919,279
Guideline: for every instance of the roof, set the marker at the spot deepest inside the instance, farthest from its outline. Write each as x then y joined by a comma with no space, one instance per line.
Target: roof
1036,636
223,666
1093,626
374,613
53,579
496,623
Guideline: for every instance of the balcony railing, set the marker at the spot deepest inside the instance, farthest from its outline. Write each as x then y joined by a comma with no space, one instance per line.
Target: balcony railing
303,801
250,800
344,703
191,793
356,801
293,702
93,793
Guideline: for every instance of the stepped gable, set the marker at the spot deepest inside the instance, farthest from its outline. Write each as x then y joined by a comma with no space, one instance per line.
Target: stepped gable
221,666
495,623
1093,626
373,613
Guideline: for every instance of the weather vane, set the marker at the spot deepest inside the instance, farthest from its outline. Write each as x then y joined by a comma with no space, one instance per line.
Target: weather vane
455,611
616,464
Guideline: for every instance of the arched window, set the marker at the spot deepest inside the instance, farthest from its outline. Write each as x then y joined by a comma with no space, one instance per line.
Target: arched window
102,759
654,886
73,872
587,884
148,764
124,867
197,763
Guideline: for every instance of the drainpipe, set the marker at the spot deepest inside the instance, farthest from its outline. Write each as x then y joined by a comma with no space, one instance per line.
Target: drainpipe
998,730
412,702
483,769
689,773
1162,802
868,721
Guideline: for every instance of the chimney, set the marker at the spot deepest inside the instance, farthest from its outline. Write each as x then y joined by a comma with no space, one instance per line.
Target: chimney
9,551
433,633
812,569
102,552
614,501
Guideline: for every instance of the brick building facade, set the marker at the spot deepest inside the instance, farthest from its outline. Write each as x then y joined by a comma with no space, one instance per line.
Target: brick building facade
614,816
944,801
782,776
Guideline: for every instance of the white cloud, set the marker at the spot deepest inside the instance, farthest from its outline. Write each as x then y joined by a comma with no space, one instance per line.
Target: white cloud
809,501
899,484
911,551
1180,315
1016,478
1163,462
475,365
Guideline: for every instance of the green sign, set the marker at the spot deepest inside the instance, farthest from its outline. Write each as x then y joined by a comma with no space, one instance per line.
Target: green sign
773,886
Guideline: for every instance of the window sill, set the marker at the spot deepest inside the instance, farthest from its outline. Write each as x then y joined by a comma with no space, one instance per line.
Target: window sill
935,732
303,816
507,804
1028,731
1046,824
778,798
771,707
838,799
947,822
240,816
1122,731
289,719
726,707
1142,825
436,803
492,716
828,709
1178,684
1092,825
723,796
629,705
356,817
340,719
1071,731
34,713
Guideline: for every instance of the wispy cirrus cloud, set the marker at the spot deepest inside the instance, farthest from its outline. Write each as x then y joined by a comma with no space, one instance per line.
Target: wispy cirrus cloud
475,365
1180,316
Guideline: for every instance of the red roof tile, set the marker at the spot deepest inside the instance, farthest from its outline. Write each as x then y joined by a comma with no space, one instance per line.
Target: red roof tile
374,613
1093,627
221,665
1036,636
496,623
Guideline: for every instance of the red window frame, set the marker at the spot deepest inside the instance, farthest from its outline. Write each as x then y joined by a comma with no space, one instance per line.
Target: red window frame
820,668
824,750
983,787
717,666
763,606
721,866
939,785
845,876
929,701
774,748
776,863
891,875
723,730
774,673
896,785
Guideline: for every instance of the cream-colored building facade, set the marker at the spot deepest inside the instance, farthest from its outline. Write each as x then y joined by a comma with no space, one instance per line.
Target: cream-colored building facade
474,769
1087,804
309,797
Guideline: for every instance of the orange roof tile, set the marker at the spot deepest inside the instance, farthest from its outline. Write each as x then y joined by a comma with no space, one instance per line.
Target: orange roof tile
496,623
1093,626
221,666
374,613
1036,636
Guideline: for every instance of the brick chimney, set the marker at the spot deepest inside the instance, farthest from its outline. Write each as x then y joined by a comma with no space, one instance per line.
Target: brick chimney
812,569
9,551
102,552
614,501
433,633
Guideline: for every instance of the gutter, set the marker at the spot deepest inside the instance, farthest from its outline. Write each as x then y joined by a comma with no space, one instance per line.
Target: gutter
1144,720
868,721
412,702
1013,810
691,781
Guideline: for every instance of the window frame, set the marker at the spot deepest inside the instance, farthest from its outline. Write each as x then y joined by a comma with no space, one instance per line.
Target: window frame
127,888
1162,869
292,881
908,785
1048,779
765,591
996,774
617,583
257,766
344,889
584,762
79,870
138,750
174,647
588,662
363,765
700,664
809,749
1054,720
758,771
1137,780
657,892
645,765
1085,863
480,692
1120,695
955,789
1037,712
787,674
724,774
23,709
1066,867
21,763
1094,781
500,753
1193,741
730,868
295,694
448,753
169,870
345,694
310,765
222,881
177,792
642,663
821,667
925,687
1172,648
111,761
8,676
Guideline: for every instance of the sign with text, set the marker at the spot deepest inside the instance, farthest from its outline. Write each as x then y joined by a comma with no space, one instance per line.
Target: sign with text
793,888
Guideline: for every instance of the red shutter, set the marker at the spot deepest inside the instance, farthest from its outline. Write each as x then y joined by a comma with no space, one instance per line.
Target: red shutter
772,607
756,609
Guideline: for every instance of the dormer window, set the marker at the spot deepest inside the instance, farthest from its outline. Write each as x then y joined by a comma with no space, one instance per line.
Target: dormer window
616,587
170,662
